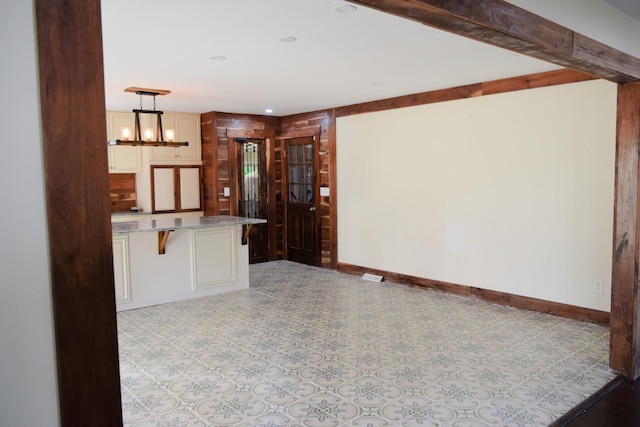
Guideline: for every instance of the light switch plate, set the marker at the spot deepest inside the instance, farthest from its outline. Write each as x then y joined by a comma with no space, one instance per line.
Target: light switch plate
227,191
324,191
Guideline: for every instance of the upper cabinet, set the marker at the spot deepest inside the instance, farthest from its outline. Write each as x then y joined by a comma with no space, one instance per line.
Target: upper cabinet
175,126
185,127
122,159
176,188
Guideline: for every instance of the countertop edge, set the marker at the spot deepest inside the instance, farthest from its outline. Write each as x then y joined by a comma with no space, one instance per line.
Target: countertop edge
147,225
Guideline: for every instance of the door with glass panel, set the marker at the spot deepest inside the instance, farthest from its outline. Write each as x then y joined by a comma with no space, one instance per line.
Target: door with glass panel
252,194
301,201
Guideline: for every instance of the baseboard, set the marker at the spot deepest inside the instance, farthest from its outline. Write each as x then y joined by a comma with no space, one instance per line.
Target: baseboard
516,301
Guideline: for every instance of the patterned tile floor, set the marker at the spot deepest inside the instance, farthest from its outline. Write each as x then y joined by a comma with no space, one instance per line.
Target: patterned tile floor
312,347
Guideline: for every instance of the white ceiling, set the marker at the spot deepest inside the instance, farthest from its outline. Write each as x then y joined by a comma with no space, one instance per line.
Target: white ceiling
338,58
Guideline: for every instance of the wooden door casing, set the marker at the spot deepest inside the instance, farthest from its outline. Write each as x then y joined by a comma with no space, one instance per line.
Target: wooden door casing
259,233
301,197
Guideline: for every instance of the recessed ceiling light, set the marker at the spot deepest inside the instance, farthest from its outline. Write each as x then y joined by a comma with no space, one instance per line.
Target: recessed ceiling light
268,111
288,39
218,57
345,8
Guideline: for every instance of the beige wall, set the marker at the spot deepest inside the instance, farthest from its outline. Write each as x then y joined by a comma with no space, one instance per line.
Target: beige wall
510,192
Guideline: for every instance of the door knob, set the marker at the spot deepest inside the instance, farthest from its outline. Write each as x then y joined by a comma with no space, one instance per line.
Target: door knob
312,209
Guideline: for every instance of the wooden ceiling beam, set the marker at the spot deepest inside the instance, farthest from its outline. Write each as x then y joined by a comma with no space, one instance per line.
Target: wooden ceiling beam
502,24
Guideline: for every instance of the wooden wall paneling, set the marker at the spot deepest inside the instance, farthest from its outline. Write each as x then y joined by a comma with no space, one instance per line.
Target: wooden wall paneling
219,160
273,185
625,313
331,247
322,125
122,191
278,207
282,214
222,166
232,155
78,211
505,25
209,172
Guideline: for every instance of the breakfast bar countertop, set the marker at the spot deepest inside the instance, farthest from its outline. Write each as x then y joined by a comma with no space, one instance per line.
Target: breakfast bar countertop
165,224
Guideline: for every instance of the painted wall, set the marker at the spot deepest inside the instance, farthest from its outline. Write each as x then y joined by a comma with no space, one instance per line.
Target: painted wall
28,385
510,192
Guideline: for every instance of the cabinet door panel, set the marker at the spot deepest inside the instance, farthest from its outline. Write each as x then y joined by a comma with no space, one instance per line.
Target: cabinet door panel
164,190
189,128
189,188
122,159
121,268
213,257
126,160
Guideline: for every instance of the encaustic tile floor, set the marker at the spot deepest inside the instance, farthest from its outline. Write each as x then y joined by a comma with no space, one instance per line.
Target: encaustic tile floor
306,346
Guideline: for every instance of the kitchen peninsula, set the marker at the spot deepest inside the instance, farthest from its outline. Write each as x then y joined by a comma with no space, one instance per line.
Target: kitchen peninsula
171,259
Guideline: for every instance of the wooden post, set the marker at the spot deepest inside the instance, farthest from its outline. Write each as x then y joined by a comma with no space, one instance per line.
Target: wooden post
77,196
625,313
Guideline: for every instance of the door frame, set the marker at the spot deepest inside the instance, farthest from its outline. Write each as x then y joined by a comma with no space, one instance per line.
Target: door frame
236,150
311,132
269,137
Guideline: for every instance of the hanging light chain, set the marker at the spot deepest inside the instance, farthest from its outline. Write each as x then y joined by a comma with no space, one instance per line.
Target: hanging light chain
154,99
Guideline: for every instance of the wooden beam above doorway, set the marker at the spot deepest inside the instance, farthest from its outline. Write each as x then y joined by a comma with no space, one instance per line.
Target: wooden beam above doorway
502,24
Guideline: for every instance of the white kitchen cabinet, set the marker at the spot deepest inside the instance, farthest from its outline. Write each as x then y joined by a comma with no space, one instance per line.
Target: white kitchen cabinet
187,128
176,188
190,195
164,193
121,276
122,159
214,257
202,256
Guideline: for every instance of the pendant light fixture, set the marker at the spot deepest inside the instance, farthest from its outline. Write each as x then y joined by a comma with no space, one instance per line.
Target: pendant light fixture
147,137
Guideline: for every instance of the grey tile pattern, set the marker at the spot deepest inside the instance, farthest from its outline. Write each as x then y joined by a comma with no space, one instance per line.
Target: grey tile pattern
306,346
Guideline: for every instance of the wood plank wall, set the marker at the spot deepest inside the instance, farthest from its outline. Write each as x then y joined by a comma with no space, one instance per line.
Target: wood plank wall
217,129
122,191
321,123
209,164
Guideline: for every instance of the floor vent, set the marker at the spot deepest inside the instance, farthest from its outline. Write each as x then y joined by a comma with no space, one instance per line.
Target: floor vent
371,277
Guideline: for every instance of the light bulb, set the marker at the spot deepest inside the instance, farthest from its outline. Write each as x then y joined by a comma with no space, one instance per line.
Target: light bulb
148,134
171,135
125,133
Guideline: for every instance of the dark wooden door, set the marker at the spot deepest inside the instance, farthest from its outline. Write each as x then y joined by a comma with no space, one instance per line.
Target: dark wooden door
252,200
301,201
